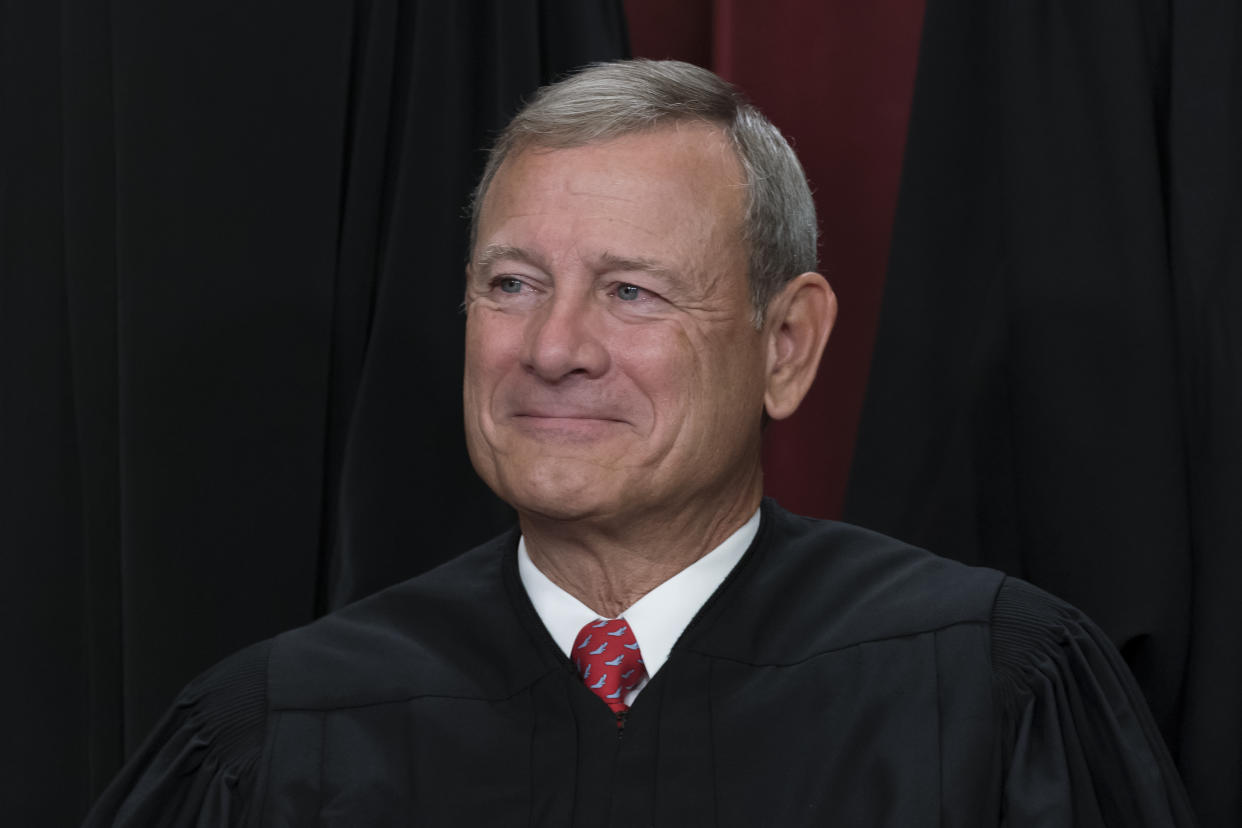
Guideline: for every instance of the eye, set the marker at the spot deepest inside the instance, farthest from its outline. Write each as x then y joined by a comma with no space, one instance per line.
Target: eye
629,293
509,284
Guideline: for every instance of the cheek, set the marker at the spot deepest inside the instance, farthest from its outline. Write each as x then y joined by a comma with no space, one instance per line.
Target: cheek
726,383
493,342
486,349
663,364
688,385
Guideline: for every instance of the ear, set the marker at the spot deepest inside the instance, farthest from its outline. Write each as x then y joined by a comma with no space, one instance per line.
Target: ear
797,326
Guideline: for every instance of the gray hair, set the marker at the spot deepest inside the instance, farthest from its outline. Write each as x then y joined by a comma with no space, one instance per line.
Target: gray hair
609,100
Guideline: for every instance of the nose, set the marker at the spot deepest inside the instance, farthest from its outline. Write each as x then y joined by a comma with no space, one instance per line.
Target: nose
563,339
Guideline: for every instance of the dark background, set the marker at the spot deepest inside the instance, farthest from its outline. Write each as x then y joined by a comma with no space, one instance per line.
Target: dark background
230,345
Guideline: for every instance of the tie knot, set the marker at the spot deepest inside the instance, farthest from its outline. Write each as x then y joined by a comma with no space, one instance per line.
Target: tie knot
608,660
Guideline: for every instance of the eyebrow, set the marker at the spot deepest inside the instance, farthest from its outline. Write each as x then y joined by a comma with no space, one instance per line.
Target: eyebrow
496,252
612,263
608,262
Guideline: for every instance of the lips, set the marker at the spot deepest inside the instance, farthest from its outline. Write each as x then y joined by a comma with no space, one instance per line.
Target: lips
558,424
575,409
554,414
541,407
576,425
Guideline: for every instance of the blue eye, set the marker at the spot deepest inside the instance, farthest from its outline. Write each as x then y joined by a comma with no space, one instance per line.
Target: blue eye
510,285
628,292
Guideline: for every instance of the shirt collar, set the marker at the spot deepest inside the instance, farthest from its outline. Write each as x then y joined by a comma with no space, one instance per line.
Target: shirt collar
658,618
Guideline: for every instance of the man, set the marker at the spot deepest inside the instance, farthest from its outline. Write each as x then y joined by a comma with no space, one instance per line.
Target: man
658,646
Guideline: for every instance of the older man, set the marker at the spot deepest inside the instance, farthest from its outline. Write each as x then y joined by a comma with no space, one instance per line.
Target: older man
657,645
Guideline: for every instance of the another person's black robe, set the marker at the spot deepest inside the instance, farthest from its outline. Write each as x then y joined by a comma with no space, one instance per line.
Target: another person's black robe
837,677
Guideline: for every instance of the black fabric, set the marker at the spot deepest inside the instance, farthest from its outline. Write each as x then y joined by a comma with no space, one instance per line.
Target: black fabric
1057,382
231,244
836,677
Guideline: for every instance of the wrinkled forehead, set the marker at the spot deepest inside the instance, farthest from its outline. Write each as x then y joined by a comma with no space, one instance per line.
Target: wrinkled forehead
687,169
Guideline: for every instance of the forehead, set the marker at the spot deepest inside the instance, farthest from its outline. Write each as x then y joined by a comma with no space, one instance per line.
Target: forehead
682,180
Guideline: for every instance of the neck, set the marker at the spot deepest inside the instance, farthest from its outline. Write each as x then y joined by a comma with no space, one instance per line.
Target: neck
609,564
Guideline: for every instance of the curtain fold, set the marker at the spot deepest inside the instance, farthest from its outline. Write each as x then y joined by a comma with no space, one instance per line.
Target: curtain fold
1055,388
231,252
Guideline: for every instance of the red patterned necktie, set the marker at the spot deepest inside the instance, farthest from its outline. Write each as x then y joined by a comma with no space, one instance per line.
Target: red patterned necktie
608,659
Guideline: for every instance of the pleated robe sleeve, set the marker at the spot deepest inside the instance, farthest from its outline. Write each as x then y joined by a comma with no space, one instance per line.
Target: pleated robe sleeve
1082,748
199,765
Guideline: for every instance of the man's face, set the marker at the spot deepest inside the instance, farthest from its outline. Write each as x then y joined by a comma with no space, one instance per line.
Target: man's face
612,367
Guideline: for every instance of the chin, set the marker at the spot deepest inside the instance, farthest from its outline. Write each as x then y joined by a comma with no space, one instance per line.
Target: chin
558,489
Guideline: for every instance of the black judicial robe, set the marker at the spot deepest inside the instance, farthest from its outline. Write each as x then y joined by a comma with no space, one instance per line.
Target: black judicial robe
837,677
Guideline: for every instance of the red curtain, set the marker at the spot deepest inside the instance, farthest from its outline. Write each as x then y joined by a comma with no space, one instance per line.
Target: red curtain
836,76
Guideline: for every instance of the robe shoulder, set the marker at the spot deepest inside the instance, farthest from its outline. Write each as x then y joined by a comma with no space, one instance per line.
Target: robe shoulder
450,632
1075,741
199,765
812,586
1079,744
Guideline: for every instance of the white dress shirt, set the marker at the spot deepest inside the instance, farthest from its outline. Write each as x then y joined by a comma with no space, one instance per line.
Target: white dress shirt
657,619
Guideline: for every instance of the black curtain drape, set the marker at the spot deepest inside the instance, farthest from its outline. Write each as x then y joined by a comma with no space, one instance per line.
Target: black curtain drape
231,244
1057,383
